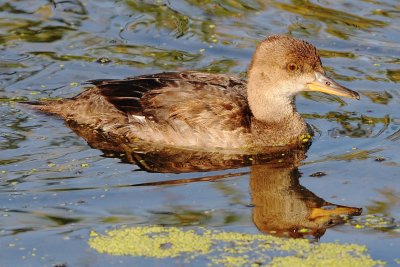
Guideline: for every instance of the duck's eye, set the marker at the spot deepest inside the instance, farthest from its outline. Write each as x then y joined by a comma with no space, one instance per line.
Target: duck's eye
292,66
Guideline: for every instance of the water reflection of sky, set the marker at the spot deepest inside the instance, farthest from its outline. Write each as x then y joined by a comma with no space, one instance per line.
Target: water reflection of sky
54,187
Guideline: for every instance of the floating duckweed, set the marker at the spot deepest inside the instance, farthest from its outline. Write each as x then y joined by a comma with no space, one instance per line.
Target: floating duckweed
73,84
305,138
12,99
231,261
103,60
227,248
85,165
329,254
150,242
32,171
50,98
93,234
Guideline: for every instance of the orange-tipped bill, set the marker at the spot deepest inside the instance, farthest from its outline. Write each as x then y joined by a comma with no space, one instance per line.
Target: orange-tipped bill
329,86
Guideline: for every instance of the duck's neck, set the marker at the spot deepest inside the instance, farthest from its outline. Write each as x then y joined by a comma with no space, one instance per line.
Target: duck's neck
267,103
275,119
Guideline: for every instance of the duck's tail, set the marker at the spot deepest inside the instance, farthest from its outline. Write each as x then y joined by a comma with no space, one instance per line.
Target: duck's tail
53,107
31,103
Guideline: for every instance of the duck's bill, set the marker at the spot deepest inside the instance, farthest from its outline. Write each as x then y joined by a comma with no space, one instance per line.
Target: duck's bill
329,86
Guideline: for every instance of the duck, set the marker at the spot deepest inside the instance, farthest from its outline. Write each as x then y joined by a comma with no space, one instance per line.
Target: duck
198,110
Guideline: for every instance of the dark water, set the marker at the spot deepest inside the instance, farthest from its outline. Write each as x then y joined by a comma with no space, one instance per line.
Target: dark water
55,188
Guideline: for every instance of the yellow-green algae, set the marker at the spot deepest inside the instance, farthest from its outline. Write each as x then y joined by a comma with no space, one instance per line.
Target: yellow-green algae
156,242
228,248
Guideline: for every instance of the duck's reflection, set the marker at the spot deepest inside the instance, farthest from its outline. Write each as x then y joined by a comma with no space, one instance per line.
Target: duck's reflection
281,206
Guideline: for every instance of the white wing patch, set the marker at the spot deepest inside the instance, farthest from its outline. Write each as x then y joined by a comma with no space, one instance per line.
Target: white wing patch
136,118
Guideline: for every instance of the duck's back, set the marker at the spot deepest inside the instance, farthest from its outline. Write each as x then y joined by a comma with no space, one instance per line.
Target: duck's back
181,109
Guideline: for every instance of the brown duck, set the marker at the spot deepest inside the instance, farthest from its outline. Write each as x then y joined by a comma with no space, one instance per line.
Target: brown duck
208,111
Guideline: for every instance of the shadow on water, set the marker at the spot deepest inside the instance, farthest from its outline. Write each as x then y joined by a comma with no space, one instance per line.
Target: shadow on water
281,205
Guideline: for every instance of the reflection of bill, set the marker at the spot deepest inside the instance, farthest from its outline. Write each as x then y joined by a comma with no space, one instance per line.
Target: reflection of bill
282,206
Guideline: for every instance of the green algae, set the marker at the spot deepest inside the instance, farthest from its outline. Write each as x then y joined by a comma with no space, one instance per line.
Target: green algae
227,248
155,242
329,254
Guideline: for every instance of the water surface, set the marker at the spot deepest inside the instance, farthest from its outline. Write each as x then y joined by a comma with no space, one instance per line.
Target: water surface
55,188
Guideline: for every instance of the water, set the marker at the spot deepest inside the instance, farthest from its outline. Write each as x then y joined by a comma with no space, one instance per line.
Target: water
55,188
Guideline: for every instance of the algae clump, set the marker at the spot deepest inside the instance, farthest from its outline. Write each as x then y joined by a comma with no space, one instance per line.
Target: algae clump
227,248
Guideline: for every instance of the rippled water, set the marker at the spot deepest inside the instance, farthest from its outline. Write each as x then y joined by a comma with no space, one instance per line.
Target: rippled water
55,188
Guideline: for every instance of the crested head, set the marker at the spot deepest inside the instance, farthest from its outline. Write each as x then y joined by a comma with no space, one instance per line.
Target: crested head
283,66
291,49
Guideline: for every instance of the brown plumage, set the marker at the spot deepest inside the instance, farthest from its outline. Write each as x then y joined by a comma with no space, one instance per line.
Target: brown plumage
208,111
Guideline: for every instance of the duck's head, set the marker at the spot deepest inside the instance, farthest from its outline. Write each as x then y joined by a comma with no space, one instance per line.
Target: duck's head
283,66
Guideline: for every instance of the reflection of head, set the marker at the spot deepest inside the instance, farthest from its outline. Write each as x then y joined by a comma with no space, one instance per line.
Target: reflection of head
283,207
